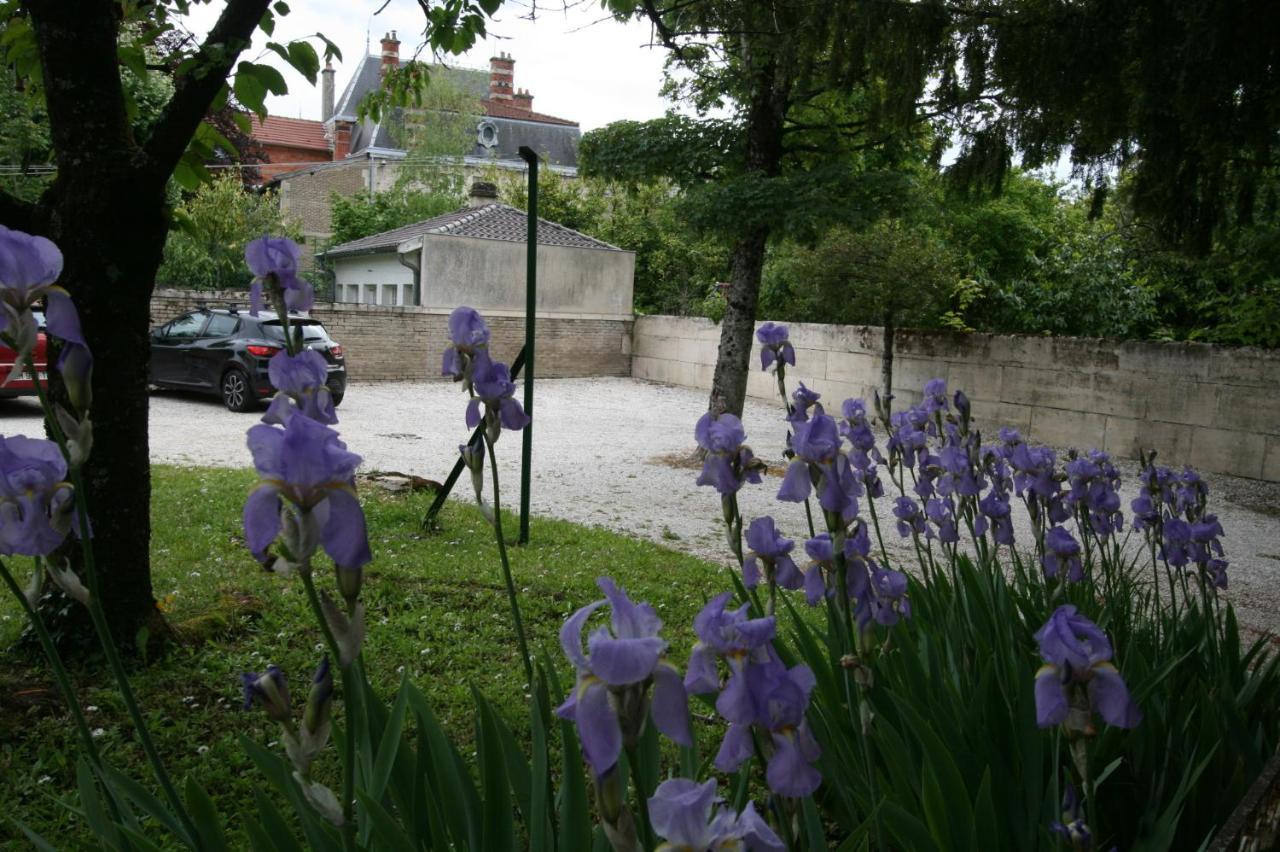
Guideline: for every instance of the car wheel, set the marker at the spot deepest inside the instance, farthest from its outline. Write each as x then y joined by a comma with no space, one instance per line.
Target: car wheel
337,399
236,394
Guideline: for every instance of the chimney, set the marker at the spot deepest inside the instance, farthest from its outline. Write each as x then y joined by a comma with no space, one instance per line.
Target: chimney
502,73
326,92
390,53
523,100
482,193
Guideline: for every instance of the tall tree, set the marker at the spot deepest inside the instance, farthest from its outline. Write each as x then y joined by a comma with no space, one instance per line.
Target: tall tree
1185,95
821,101
108,210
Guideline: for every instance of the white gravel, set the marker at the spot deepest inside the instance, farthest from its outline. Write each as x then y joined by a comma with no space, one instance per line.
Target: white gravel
602,450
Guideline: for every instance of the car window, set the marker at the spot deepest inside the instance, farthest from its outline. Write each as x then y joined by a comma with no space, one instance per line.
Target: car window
220,325
185,327
311,330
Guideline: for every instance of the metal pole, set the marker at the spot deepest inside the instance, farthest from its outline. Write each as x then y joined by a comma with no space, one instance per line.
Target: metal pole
530,311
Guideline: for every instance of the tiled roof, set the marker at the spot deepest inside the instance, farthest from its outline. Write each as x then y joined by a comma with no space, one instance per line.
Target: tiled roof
290,132
504,109
490,222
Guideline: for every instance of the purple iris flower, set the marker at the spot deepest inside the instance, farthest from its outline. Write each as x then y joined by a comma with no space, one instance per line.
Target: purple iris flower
907,437
1190,493
306,464
910,519
776,699
1073,829
1175,544
1078,677
817,448
856,428
935,396
774,345
823,565
29,266
959,474
1095,483
802,399
301,382
468,335
888,601
610,703
941,514
995,507
769,548
37,504
496,392
270,690
729,463
691,816
1062,551
274,262
741,641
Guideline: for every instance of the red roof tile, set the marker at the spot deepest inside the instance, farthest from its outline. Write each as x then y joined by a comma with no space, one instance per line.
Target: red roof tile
290,132
505,109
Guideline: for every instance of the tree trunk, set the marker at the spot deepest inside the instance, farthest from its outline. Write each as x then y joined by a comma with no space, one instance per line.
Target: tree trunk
108,214
886,364
737,329
765,118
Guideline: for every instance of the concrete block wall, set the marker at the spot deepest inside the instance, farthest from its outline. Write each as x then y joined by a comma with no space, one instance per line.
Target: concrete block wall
384,343
1215,408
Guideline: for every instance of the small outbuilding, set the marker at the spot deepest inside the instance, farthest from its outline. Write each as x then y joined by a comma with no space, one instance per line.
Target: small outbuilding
394,291
477,256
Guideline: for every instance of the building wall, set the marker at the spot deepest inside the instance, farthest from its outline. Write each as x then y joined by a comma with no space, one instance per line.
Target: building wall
283,158
1215,408
375,279
408,343
304,198
491,275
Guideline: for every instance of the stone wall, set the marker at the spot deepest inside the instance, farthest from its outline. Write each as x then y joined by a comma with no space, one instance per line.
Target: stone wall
1216,408
407,343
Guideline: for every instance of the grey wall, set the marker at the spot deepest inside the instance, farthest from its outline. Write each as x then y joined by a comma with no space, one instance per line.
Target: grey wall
490,275
1217,409
408,343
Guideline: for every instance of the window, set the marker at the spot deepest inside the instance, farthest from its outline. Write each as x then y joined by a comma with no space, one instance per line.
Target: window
487,134
390,292
220,325
312,331
371,294
186,327
352,293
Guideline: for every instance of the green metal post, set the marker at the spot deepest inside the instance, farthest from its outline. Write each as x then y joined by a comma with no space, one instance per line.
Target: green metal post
530,311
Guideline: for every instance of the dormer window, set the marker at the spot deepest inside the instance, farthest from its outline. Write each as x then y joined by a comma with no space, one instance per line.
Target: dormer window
487,134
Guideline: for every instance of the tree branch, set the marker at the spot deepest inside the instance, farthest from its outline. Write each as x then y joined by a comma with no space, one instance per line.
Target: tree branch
195,90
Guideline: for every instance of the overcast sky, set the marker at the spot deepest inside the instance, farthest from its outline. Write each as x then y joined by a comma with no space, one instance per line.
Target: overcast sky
577,65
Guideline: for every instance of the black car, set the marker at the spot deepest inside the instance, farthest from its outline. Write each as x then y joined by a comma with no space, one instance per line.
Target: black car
225,351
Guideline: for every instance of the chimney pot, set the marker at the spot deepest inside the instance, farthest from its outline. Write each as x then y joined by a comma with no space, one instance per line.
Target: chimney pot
390,53
482,192
326,92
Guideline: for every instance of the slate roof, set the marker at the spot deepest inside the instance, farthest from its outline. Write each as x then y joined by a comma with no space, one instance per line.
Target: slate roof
490,222
290,133
552,137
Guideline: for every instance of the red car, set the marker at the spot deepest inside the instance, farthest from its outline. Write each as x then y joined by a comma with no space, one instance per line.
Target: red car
23,384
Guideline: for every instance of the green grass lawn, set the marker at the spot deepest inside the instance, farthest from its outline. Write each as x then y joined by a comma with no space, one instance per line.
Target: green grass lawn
437,609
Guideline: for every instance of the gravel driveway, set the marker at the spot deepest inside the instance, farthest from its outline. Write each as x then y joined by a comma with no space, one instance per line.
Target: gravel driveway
602,456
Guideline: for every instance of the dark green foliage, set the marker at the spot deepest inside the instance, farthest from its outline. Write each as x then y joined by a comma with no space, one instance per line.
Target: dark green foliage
363,214
215,222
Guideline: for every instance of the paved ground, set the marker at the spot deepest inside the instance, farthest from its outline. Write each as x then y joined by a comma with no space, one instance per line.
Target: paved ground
602,455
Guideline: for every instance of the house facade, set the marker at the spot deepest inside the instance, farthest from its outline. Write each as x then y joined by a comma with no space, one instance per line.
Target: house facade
341,153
